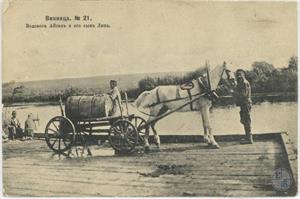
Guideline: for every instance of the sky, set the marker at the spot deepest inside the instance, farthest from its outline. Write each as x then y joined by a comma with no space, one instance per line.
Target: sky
144,37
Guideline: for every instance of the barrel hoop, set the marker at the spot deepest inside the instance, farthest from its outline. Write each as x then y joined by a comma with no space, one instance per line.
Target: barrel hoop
67,106
78,106
92,103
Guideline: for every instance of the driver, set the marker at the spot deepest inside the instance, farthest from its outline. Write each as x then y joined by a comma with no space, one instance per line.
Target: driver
116,98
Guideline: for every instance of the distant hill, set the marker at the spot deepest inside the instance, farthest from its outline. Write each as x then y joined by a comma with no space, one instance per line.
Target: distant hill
126,82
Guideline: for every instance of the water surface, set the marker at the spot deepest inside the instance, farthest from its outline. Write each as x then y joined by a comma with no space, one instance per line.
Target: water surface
266,117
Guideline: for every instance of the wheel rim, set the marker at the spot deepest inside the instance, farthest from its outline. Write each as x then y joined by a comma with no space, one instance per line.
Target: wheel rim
123,136
138,122
59,134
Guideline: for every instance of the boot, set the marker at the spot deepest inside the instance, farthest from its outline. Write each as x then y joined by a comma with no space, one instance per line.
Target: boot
248,139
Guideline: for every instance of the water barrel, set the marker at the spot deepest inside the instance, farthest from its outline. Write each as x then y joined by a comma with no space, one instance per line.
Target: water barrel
87,107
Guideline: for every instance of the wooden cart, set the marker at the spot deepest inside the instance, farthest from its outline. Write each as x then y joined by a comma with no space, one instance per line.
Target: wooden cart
124,134
63,132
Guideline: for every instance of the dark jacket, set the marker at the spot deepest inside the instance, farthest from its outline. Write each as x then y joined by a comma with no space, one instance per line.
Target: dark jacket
243,93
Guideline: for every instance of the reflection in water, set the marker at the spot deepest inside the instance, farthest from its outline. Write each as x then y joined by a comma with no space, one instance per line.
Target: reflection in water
266,117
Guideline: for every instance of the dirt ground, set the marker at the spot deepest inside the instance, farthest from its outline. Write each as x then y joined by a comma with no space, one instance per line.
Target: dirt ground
186,169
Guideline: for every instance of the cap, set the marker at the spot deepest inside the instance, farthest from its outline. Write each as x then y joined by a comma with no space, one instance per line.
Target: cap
240,70
113,81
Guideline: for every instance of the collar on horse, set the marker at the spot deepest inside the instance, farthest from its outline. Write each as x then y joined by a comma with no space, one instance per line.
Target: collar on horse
157,96
187,87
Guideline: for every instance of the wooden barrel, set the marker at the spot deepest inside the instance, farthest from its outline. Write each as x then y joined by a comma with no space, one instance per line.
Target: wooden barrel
86,107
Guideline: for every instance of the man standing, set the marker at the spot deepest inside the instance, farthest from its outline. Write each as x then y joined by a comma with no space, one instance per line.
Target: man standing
30,127
243,100
116,98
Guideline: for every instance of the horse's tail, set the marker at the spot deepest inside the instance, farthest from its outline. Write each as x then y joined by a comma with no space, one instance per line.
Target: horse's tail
141,98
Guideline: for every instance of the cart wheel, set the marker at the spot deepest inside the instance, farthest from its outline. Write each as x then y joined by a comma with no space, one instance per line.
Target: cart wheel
123,136
60,134
138,122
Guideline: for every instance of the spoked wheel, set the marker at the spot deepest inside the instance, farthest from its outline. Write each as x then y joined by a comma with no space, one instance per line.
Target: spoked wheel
60,134
139,122
123,136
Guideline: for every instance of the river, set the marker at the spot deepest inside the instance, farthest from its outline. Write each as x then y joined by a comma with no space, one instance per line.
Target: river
266,117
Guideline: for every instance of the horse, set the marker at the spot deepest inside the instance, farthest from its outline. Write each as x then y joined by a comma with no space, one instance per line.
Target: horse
167,98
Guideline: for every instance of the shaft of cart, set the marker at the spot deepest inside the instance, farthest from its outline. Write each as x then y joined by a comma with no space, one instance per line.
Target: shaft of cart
144,126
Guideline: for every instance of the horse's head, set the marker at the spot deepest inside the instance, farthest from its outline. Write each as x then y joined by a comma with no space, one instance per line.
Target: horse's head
227,82
221,79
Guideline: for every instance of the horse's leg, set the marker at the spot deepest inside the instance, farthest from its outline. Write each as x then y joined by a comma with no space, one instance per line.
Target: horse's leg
205,137
163,110
206,124
147,145
153,113
156,136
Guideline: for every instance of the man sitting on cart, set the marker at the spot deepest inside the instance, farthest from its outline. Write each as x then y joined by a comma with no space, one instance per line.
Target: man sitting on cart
116,99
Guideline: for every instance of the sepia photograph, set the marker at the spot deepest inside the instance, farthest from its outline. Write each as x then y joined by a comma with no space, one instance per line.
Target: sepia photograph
141,98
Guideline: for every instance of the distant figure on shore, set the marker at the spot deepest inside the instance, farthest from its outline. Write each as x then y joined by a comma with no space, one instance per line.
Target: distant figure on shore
15,130
243,100
116,98
5,131
29,127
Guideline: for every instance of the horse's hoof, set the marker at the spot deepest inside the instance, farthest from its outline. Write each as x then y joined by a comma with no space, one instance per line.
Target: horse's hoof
214,146
157,145
205,140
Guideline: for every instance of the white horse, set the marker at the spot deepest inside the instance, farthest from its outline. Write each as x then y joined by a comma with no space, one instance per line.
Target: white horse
164,98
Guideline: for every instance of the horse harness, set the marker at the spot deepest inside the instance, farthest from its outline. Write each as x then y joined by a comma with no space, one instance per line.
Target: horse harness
188,89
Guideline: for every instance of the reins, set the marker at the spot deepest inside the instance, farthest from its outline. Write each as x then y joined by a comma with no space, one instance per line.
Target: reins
171,100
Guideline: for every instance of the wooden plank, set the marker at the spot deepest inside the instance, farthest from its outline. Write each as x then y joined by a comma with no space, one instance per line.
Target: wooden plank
143,164
195,138
89,187
291,158
208,171
234,170
102,176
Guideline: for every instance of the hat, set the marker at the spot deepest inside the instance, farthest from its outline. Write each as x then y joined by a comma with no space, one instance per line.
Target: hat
240,70
113,82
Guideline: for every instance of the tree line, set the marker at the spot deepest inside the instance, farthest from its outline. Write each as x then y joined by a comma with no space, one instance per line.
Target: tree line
263,77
